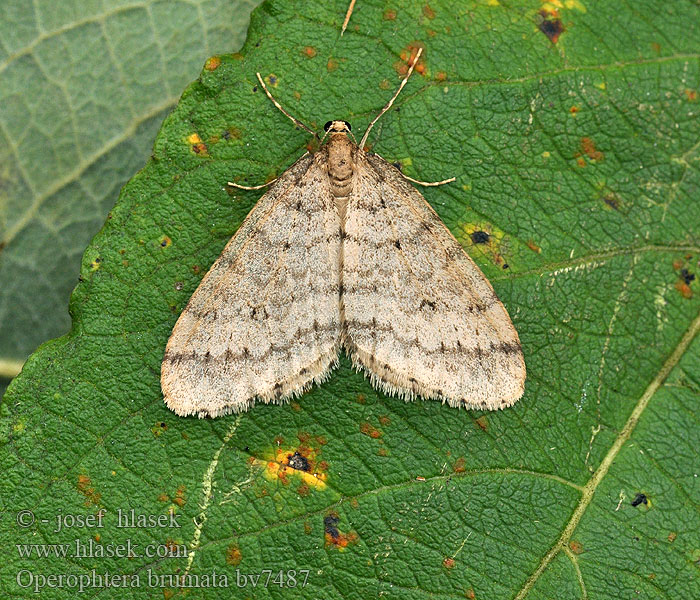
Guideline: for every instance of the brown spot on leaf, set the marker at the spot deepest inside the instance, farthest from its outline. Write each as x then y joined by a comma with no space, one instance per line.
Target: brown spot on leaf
460,465
212,63
576,547
408,56
233,555
692,95
440,76
684,289
574,109
232,133
179,498
303,490
428,11
88,491
370,430
385,420
331,65
550,24
677,264
163,497
309,51
361,399
307,527
382,452
589,149
534,247
672,536
389,15
470,594
482,423
449,563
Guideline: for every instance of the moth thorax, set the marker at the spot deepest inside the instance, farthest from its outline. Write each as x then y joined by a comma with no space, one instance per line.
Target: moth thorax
341,164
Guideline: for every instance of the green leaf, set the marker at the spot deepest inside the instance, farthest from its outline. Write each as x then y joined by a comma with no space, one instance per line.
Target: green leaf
573,135
84,87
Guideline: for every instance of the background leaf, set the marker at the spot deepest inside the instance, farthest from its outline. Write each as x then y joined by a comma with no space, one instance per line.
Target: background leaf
84,87
573,134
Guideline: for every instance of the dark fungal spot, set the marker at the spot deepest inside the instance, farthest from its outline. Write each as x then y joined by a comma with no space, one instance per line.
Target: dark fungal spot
687,276
397,164
639,499
505,265
397,243
330,526
550,24
299,462
255,88
611,201
480,237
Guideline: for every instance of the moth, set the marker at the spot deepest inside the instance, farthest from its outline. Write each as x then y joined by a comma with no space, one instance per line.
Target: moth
342,252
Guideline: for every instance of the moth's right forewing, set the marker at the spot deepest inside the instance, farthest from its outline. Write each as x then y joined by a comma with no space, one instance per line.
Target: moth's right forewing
264,322
420,316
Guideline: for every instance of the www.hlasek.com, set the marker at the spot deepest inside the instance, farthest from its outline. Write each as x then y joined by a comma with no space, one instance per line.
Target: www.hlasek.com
267,578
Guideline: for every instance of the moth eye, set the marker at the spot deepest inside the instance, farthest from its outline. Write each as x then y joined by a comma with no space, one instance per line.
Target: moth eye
347,125
327,126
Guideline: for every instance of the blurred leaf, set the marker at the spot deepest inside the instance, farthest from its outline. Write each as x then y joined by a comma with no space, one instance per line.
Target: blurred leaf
573,134
84,87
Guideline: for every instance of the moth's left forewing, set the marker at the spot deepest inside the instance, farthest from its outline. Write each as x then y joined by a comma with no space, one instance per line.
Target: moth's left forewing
419,315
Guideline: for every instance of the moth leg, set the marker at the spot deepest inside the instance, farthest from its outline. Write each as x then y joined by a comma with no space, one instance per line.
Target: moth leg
262,185
428,183
294,120
252,187
424,183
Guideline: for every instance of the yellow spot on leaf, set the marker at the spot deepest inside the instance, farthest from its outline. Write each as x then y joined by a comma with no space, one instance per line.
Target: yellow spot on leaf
212,63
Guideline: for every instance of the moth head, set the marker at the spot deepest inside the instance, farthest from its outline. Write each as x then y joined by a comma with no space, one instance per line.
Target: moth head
337,127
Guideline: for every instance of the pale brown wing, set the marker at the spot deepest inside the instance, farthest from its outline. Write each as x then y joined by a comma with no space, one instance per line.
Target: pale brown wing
419,315
264,323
